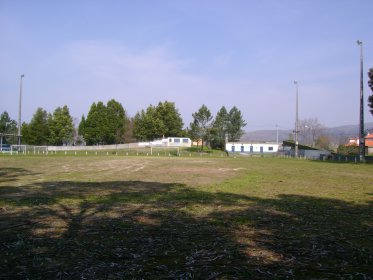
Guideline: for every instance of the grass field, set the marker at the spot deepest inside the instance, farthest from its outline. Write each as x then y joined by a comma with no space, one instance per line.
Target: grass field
184,218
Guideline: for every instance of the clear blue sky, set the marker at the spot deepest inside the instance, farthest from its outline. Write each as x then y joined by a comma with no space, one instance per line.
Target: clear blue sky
245,53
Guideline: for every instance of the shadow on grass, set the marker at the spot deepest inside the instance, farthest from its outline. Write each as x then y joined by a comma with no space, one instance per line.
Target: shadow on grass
151,230
12,174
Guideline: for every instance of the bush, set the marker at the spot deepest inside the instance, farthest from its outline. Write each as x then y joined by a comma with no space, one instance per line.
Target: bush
348,150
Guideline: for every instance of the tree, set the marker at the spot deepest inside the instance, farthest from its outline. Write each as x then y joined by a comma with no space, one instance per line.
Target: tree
147,125
350,150
236,123
37,132
323,142
200,127
81,127
96,125
117,120
219,130
310,130
158,121
61,127
8,126
128,134
171,118
104,124
370,83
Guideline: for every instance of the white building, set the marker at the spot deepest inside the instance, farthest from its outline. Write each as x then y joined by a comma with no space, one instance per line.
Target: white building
172,142
238,147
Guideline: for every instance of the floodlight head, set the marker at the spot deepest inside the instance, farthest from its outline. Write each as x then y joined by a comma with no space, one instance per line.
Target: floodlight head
295,82
359,42
23,75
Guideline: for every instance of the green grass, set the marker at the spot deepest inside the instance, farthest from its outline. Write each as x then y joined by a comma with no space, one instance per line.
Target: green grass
119,217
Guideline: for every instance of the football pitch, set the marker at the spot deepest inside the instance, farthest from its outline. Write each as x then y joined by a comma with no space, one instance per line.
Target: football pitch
117,217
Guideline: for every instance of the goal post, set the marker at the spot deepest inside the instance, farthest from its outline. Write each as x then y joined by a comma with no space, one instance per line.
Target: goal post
164,151
29,149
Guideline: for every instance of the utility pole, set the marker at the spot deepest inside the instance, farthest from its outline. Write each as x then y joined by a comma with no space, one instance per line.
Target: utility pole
296,131
277,134
19,110
361,123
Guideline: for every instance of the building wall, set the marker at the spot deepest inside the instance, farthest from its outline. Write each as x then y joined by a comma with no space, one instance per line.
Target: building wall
179,142
172,142
252,147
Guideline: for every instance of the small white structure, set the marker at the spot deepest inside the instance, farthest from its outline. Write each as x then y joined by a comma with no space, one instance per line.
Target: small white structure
172,142
238,147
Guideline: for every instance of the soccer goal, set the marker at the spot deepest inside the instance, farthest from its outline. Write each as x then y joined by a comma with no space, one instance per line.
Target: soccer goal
29,150
164,151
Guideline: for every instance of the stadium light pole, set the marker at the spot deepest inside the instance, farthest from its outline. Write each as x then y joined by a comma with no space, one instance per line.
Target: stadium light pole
276,134
296,152
19,110
361,123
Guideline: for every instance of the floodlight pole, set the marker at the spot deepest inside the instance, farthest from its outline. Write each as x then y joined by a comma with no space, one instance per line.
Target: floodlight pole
19,110
296,152
276,134
361,124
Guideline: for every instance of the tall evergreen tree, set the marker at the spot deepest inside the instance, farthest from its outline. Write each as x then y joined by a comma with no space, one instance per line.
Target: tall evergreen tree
200,127
147,125
96,128
235,125
219,129
61,127
170,118
158,121
81,128
117,122
37,132
104,124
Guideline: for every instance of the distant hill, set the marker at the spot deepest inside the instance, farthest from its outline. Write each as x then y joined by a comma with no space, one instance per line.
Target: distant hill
338,134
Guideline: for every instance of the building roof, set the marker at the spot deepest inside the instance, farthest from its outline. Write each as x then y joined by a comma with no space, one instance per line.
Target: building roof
369,140
301,147
355,141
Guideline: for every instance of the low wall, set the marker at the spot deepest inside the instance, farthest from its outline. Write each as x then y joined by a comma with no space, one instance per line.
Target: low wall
92,148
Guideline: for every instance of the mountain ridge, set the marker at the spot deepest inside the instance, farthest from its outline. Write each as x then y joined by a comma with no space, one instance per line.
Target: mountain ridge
338,134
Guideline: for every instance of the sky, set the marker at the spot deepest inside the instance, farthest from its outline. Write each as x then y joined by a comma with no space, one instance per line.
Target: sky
243,53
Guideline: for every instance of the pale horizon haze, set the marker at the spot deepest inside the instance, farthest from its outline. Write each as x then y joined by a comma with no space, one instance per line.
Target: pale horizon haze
243,53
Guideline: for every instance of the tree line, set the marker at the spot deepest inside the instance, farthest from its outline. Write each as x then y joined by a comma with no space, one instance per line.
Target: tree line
110,124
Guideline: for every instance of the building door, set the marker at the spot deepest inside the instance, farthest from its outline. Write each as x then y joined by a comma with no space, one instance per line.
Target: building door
251,149
233,150
242,149
261,149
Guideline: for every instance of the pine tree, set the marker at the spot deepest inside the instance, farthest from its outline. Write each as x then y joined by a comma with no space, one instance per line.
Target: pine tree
235,124
61,127
219,129
170,117
37,132
117,119
147,125
201,125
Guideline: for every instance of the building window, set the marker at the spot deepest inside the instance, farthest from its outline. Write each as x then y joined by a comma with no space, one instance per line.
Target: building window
185,140
270,148
170,140
177,140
